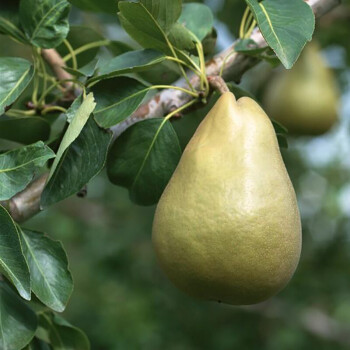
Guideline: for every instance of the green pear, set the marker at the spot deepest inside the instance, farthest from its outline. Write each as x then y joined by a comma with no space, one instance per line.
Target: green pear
305,98
227,227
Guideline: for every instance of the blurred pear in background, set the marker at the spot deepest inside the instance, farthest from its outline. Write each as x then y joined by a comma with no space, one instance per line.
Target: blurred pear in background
304,99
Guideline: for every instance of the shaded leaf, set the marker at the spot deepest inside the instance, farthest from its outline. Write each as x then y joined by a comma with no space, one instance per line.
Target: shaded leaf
62,335
75,127
141,26
17,322
197,18
85,71
79,36
15,75
165,12
12,261
118,47
82,161
9,25
144,158
18,166
286,26
45,22
107,6
37,344
181,37
24,130
51,280
129,62
117,99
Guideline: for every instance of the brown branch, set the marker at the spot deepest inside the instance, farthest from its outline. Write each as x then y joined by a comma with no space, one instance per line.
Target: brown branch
56,63
235,65
232,64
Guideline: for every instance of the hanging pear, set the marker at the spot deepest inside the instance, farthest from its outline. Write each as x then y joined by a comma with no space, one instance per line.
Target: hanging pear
305,98
227,226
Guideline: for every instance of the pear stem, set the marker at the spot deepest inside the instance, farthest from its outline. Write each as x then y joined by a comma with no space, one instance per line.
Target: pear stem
218,84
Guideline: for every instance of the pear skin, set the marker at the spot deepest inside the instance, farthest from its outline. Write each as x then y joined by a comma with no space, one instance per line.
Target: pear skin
227,227
305,98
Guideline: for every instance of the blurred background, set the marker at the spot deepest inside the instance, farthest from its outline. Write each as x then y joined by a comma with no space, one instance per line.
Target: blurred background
122,300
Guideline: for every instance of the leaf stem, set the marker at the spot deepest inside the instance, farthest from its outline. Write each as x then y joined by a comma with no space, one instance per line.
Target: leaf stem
72,54
194,94
52,109
86,47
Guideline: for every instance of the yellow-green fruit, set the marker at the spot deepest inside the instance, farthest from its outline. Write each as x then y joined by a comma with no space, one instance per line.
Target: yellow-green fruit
227,226
305,98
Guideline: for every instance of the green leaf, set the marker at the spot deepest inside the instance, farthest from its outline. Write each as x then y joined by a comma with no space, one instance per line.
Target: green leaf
37,344
81,162
107,6
12,260
197,18
286,26
24,130
117,99
144,158
76,126
181,37
85,71
79,36
18,166
45,22
17,322
15,75
9,25
51,280
239,92
62,335
129,62
118,47
165,12
141,26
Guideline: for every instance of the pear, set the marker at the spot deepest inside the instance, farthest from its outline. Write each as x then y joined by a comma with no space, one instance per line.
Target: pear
305,98
227,226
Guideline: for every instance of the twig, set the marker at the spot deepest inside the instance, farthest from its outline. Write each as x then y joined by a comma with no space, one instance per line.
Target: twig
27,203
235,65
56,63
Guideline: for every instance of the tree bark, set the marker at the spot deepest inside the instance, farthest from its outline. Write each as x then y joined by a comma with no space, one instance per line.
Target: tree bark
27,203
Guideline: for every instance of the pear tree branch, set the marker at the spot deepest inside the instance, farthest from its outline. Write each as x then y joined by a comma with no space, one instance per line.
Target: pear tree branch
232,65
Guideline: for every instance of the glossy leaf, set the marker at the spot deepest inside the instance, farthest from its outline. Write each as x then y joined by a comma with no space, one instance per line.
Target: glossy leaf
286,26
45,22
129,62
51,280
81,162
24,130
76,126
18,166
15,75
143,159
117,99
197,18
12,261
17,322
141,26
62,335
165,12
